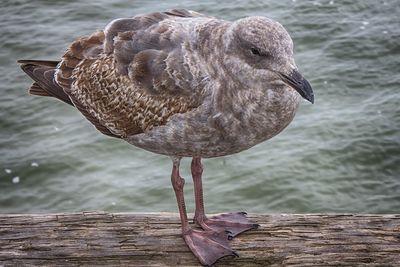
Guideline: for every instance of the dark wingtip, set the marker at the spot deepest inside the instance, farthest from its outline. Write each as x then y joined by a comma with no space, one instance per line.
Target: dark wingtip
22,61
48,63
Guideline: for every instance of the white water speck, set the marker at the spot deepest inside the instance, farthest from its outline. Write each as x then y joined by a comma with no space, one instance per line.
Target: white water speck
35,164
331,2
294,1
56,129
385,32
8,171
15,180
113,203
362,27
325,82
365,22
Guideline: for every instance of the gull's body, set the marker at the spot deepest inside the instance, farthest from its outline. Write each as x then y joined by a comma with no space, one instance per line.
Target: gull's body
182,84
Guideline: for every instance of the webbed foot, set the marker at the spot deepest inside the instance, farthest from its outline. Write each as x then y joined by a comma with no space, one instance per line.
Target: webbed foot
208,246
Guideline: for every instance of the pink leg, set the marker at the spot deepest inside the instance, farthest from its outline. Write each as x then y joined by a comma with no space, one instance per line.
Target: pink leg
231,223
207,246
177,183
197,172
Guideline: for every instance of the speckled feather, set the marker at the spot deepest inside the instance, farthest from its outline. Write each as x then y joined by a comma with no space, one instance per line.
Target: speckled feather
181,83
122,81
118,104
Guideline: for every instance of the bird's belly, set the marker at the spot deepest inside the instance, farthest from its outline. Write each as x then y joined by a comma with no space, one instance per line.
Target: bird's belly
203,145
205,136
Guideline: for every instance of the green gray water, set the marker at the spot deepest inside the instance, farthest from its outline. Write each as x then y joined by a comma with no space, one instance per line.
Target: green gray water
341,154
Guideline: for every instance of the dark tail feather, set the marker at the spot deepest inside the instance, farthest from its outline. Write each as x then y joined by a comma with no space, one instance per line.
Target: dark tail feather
42,72
37,90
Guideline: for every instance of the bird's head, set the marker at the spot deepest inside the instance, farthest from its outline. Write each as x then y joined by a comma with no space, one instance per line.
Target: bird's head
263,50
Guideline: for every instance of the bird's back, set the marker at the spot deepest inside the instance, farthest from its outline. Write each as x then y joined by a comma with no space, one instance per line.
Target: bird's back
127,79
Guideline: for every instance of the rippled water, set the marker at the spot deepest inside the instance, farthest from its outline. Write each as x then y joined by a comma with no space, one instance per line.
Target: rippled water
339,155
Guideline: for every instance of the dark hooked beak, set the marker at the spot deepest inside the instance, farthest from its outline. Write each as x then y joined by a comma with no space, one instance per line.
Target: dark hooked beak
301,85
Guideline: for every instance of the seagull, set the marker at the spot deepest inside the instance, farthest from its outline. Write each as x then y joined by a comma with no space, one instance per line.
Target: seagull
182,84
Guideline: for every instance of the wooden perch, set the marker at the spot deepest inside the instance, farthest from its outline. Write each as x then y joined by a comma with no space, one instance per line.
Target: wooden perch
106,239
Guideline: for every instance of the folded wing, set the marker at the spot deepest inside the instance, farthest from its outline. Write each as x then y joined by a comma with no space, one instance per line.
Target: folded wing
132,76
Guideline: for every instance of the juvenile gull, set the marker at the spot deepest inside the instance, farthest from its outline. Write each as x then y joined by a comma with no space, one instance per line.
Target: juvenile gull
182,84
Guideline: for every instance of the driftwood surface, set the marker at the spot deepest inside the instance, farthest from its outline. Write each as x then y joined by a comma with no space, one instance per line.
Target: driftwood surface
153,239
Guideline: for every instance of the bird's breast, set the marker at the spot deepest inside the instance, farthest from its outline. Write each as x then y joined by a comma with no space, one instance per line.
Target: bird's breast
252,121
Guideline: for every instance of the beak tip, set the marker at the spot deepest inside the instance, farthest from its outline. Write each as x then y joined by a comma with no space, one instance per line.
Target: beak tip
311,99
307,91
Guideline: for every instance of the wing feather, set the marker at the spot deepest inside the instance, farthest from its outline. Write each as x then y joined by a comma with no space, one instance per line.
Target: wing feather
131,77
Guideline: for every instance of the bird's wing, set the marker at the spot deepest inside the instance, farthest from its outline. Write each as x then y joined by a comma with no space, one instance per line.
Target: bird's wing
131,77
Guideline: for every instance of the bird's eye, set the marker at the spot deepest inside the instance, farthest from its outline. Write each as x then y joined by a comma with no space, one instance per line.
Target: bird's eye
255,51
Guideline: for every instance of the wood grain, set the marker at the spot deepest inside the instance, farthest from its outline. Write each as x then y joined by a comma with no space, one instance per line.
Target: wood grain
106,239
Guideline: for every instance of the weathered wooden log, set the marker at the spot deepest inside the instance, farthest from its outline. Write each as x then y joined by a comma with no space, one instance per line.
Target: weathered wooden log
106,239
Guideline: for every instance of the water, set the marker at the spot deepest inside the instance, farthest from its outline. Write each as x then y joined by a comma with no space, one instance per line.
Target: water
339,155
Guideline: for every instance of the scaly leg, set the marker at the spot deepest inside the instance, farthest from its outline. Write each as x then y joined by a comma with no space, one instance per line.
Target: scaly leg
207,246
231,223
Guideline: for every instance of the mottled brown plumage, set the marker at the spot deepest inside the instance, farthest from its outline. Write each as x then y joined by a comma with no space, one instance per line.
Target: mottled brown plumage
125,87
118,104
182,84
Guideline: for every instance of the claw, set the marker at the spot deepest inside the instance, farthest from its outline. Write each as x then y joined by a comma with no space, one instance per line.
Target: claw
229,234
235,254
